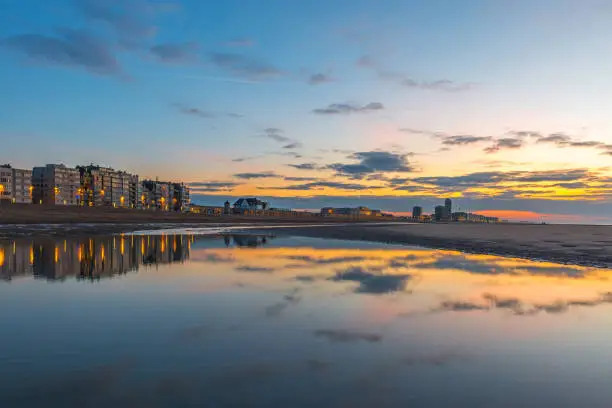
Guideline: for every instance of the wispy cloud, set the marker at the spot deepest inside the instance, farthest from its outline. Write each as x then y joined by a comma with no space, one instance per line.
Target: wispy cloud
505,143
192,111
348,108
376,161
212,186
305,166
319,78
244,66
293,145
70,48
261,175
176,53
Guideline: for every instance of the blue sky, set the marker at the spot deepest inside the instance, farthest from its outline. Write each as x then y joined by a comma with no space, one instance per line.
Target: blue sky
407,100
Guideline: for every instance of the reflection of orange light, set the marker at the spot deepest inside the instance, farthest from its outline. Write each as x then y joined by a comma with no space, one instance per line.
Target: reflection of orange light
142,248
174,244
122,246
56,254
102,252
1,256
80,253
163,244
31,255
91,248
64,245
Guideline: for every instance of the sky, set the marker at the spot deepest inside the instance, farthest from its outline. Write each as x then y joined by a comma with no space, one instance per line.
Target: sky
502,106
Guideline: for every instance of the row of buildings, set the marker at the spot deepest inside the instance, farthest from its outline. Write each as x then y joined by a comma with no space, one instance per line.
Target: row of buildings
90,186
444,213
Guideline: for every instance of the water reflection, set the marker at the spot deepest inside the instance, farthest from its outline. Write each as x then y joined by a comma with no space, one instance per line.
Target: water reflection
253,320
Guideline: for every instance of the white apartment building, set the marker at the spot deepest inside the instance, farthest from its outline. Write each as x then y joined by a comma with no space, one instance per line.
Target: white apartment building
56,184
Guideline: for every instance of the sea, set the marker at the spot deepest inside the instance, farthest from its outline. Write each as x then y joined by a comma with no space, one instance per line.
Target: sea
248,319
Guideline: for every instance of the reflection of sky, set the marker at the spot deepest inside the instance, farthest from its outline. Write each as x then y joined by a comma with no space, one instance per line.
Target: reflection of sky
290,324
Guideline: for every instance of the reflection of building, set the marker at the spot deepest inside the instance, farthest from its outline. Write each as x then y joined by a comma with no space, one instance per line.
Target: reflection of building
93,258
55,184
251,241
350,212
417,212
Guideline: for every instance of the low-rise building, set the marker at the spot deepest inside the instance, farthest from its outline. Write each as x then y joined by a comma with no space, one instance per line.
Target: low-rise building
22,186
157,194
355,212
207,210
181,197
56,184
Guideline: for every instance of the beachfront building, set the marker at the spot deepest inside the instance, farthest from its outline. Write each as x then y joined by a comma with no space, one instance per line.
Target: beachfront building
22,186
472,217
441,213
355,212
104,186
56,184
158,195
207,210
417,212
181,197
448,205
249,206
6,184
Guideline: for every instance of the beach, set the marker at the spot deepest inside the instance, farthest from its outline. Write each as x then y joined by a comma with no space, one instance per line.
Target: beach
573,244
589,245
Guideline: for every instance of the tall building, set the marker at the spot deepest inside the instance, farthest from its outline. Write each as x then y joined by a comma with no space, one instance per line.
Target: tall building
417,212
441,213
56,184
22,186
157,194
6,183
181,198
448,204
104,186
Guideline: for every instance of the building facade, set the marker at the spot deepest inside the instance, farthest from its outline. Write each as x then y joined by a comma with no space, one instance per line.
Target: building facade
56,184
6,184
417,212
350,212
22,186
104,186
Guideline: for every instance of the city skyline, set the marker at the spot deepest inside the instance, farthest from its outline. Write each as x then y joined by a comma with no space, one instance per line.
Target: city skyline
389,104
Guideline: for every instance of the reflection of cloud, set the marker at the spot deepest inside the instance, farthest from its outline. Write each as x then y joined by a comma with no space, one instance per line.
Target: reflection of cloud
324,261
214,258
347,336
518,307
305,278
289,299
318,365
372,283
435,359
247,268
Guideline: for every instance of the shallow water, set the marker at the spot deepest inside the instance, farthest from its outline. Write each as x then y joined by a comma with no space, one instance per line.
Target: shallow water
258,321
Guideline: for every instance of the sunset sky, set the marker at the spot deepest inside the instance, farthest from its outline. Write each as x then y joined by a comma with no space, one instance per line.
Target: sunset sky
504,106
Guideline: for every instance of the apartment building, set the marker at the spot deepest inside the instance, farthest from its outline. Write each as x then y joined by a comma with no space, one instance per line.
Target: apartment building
158,194
104,186
22,186
6,184
56,184
181,199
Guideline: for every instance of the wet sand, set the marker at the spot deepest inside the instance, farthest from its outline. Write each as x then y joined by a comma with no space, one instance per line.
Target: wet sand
589,245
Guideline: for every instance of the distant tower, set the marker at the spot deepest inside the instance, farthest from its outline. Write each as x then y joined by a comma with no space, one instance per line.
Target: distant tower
417,212
448,204
226,208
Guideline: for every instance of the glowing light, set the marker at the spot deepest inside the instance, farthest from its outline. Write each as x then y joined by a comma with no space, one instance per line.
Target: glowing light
56,254
122,247
31,255
1,256
80,253
102,252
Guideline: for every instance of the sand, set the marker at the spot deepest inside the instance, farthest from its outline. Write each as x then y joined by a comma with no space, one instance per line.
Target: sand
589,245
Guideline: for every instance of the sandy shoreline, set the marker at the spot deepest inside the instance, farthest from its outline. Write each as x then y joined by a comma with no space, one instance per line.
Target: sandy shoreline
588,245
